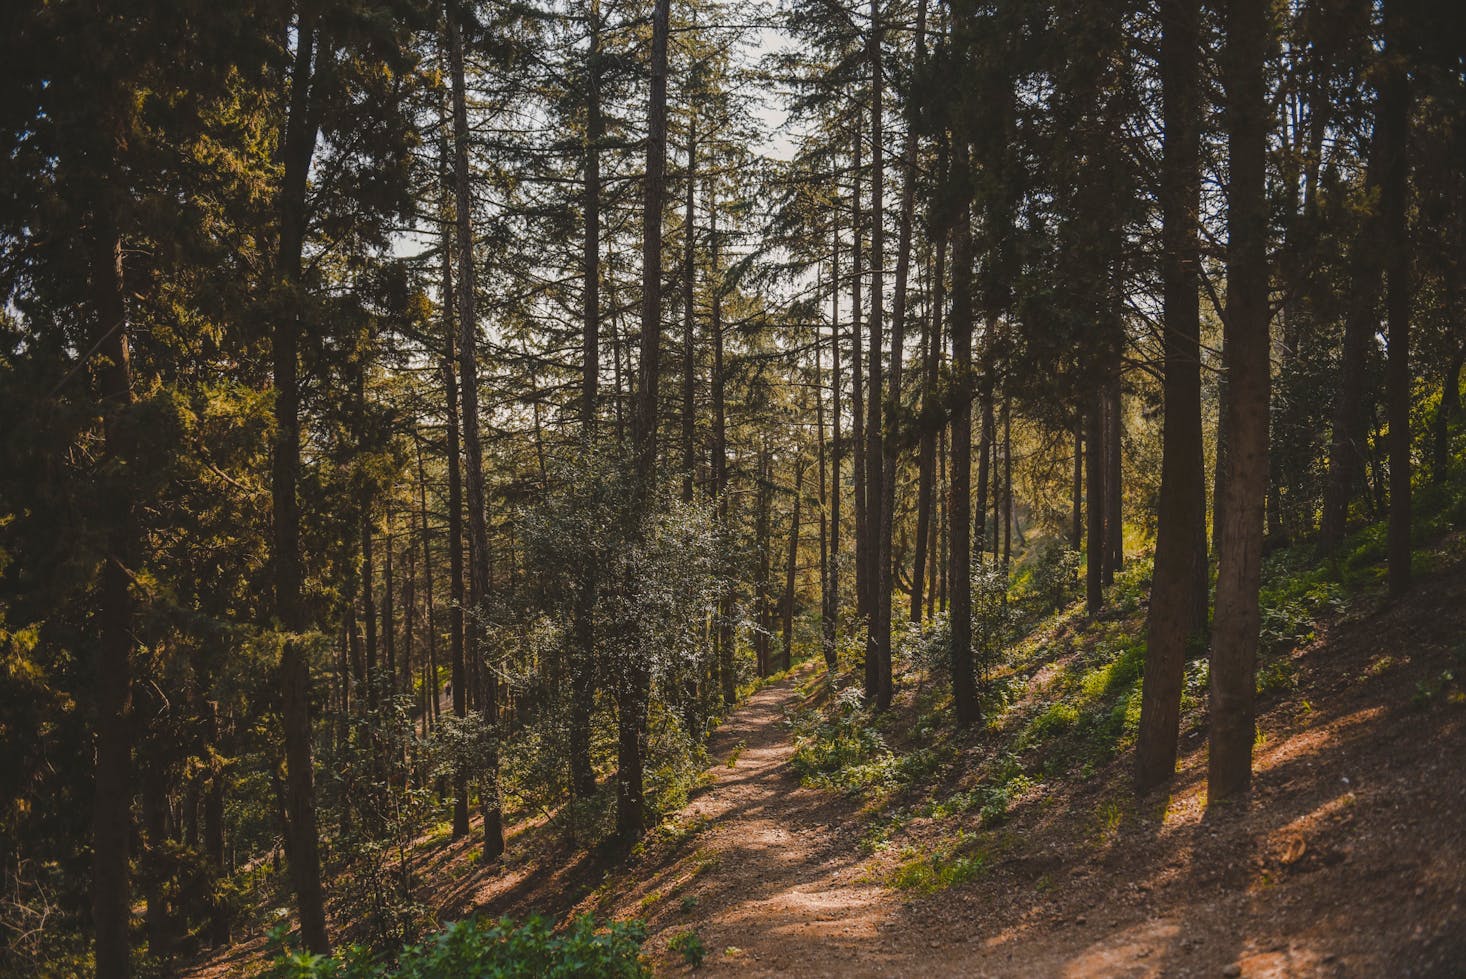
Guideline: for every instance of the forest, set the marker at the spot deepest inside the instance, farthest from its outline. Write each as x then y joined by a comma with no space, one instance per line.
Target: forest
762,487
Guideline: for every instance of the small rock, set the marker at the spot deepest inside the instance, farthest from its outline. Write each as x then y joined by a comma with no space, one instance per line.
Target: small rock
1080,920
1232,971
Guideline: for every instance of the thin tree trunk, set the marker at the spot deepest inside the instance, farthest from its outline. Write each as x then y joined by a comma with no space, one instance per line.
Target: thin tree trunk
984,471
1114,486
1076,519
689,327
1394,204
827,583
837,447
720,448
430,613
478,533
1094,562
636,683
112,771
1007,484
582,665
927,447
792,566
944,516
879,492
290,609
368,603
457,662
857,366
1234,637
959,501
389,617
763,544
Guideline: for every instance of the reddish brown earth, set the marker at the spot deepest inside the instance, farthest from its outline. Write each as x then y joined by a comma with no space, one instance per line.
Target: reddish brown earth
1348,859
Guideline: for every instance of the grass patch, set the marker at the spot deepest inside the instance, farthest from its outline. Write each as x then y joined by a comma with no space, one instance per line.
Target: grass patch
928,873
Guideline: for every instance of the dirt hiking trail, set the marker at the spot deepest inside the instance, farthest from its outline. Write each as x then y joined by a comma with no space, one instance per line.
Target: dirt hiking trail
1349,858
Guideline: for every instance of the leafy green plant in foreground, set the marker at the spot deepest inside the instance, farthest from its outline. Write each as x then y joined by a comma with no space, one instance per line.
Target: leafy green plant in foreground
488,949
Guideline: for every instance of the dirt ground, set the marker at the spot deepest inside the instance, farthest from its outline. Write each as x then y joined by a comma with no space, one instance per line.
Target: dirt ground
1348,859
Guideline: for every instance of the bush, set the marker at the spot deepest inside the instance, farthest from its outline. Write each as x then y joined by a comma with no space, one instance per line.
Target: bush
490,950
690,947
1053,576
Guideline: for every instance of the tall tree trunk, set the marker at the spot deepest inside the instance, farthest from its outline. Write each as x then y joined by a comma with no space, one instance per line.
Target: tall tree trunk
368,602
112,772
582,665
858,394
944,516
1177,613
429,611
1007,484
478,532
1234,637
389,616
720,447
927,447
290,609
878,492
959,501
1094,458
1394,99
837,447
457,662
763,544
689,324
1076,517
1114,485
984,470
636,683
827,591
792,566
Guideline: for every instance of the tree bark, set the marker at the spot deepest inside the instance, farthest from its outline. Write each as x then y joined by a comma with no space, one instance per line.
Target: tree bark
478,533
927,445
837,450
1114,480
792,566
1394,203
880,463
1094,458
582,664
1235,633
1177,614
959,505
689,324
636,674
720,447
112,772
858,397
290,609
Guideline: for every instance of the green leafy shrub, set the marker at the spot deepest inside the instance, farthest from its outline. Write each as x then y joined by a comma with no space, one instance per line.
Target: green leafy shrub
688,945
1053,575
488,949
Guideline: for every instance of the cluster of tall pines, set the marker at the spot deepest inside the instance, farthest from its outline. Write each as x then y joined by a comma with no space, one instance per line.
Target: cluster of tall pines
420,412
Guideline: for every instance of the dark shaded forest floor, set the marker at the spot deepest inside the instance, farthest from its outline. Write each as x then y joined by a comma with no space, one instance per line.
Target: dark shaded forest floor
1348,859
